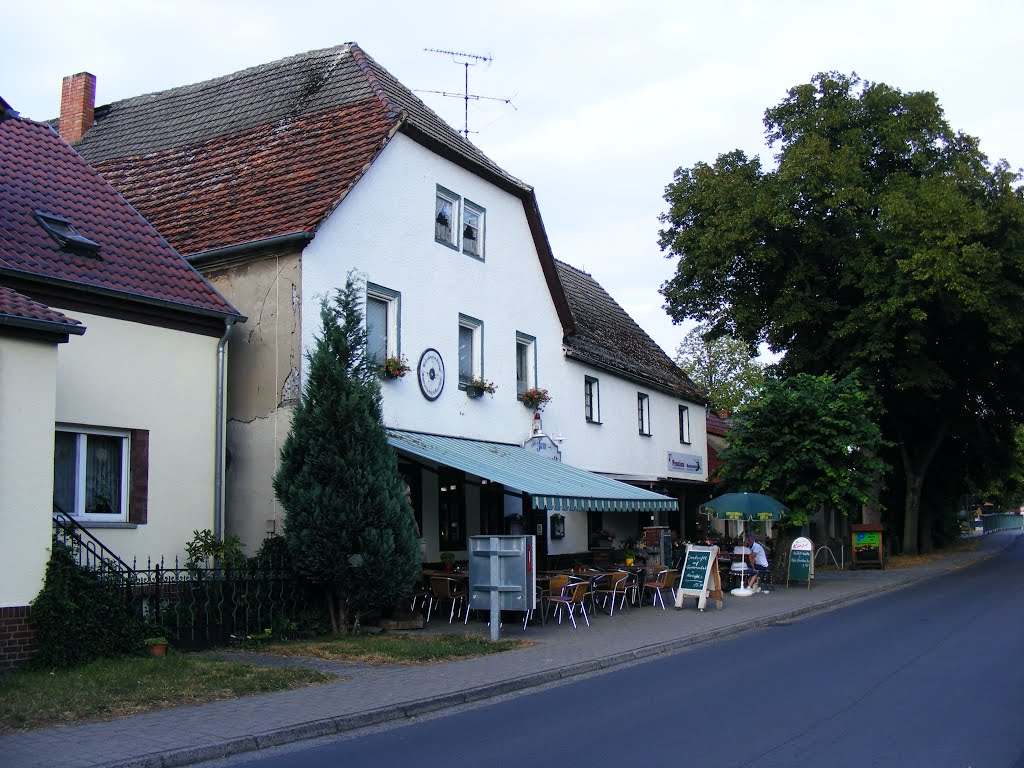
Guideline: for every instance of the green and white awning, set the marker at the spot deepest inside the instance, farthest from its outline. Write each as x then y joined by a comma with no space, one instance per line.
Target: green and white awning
551,484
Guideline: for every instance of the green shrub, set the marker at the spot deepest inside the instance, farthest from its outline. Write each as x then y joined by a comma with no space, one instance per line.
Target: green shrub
79,617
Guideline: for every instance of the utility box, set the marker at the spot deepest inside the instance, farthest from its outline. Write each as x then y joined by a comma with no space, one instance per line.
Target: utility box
502,569
867,548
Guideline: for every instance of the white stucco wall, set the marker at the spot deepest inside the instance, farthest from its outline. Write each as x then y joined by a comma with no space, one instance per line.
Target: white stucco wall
615,445
132,376
27,400
385,230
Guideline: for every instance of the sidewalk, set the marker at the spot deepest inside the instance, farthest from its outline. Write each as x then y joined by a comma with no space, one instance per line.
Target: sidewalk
376,694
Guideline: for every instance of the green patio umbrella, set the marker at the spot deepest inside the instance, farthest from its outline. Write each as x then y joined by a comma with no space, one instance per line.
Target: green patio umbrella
744,506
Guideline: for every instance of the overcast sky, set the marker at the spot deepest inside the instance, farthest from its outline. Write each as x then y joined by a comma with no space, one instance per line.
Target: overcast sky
607,99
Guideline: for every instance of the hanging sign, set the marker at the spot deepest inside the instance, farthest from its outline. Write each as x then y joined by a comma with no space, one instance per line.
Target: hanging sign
801,561
700,577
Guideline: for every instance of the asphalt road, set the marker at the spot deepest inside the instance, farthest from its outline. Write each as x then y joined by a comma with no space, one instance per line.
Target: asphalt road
931,675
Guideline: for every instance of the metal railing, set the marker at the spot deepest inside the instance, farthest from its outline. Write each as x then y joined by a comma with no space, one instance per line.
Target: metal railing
199,605
90,553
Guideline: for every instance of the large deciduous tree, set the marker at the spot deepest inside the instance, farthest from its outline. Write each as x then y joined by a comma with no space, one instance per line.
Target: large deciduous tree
722,366
882,241
348,527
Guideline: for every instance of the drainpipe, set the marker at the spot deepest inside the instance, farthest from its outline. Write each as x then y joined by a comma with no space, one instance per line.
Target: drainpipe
219,450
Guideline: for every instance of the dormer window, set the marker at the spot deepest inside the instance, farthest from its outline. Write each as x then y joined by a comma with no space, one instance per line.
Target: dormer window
66,236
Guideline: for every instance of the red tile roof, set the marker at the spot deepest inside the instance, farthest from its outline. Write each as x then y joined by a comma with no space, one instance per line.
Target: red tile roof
265,152
39,172
273,179
19,310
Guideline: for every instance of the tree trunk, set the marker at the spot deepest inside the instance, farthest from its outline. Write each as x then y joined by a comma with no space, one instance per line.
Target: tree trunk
916,460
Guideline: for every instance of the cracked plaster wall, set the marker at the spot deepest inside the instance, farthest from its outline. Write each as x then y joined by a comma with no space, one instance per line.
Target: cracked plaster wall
264,374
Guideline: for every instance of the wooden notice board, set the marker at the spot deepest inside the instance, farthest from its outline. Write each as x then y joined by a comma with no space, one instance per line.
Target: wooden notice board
700,577
801,562
867,546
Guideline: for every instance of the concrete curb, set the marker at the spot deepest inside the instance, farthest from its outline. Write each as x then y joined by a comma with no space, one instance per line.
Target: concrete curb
345,723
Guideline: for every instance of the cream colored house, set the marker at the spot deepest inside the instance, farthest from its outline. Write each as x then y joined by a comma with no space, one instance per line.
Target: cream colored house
111,352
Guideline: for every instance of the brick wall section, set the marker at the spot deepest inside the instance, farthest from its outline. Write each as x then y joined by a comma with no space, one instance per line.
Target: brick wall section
77,106
17,637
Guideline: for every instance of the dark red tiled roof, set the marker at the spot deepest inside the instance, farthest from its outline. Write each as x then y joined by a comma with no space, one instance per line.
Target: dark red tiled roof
15,306
40,172
606,336
268,180
265,152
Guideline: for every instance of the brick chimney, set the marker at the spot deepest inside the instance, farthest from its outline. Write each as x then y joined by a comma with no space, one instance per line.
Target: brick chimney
77,104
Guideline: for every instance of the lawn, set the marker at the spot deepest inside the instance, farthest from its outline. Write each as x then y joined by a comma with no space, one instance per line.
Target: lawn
114,688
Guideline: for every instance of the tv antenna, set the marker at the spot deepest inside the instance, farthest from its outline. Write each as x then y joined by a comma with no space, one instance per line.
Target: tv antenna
467,60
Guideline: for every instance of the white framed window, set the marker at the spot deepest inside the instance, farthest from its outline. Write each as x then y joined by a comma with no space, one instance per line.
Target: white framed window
643,413
471,349
526,362
91,473
592,399
383,323
473,229
684,424
447,216
458,223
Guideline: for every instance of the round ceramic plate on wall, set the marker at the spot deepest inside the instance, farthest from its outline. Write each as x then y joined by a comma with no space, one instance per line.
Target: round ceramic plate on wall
430,373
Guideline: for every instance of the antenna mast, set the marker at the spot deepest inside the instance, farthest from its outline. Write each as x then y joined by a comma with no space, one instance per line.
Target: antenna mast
469,59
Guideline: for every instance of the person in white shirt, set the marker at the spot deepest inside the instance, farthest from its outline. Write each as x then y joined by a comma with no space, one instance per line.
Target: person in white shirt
757,559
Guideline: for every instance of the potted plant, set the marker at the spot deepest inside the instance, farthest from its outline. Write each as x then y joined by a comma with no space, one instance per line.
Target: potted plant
629,551
448,561
535,398
603,538
394,367
476,387
157,646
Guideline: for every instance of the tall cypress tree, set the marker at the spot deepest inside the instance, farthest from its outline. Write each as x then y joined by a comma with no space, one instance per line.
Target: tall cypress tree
347,523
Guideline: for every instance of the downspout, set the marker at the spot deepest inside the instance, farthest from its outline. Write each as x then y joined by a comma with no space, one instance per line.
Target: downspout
219,450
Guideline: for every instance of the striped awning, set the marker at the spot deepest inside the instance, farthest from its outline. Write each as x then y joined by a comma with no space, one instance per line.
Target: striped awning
551,484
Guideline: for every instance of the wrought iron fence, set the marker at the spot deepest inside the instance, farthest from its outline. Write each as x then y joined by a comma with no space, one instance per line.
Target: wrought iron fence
201,605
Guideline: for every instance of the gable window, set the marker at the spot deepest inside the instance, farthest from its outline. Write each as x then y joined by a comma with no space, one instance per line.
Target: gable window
471,334
446,217
101,474
473,230
684,424
591,399
459,223
643,413
526,363
383,315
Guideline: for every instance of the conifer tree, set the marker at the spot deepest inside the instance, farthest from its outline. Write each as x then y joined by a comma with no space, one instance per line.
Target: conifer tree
347,524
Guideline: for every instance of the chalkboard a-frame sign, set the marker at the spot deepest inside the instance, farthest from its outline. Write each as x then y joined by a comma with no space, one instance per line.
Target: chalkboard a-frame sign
700,577
801,562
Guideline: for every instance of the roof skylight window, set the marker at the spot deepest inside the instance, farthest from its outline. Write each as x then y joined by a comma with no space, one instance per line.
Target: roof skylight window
67,237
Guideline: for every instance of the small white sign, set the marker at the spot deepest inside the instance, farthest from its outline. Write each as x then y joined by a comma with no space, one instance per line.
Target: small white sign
544,446
684,462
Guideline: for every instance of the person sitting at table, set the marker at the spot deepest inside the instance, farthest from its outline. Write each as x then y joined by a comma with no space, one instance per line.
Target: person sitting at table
756,559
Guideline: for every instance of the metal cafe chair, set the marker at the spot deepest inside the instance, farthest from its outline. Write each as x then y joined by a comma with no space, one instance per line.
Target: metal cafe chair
612,587
664,580
573,596
445,588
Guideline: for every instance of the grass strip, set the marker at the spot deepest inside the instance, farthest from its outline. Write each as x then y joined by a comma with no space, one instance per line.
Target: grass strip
113,688
387,648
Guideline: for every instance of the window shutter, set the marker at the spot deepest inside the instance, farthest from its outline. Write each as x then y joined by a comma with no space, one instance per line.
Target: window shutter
138,494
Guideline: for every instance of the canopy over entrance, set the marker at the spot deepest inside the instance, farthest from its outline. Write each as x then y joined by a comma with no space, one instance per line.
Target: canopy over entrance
551,484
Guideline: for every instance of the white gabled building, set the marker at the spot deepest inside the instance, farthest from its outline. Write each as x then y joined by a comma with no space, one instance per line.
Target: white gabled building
281,180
